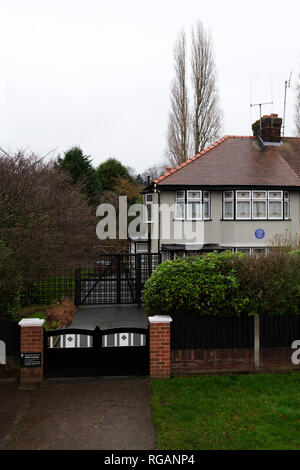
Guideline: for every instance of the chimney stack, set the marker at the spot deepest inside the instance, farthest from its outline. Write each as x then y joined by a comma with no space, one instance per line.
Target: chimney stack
268,129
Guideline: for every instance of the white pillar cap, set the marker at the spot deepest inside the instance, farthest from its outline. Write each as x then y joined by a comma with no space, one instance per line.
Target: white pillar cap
31,322
160,319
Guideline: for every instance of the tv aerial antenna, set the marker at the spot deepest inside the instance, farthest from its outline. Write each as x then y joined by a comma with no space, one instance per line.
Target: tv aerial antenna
287,84
260,105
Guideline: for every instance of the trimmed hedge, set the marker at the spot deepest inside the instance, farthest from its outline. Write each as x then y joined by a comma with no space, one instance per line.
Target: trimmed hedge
226,284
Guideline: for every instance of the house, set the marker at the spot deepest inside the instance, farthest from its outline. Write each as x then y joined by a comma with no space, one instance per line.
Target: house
241,194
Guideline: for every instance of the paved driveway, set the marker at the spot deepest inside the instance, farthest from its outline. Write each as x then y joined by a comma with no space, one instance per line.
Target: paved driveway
109,316
88,414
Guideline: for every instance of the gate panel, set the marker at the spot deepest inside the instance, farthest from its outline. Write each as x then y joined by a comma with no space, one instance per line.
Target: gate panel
114,279
90,353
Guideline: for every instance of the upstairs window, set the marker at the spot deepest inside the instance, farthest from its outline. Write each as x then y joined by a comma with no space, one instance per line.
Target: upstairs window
286,205
179,205
243,204
192,205
228,200
259,204
256,205
275,208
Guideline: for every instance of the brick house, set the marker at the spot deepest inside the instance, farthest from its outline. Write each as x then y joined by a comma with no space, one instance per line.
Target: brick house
241,193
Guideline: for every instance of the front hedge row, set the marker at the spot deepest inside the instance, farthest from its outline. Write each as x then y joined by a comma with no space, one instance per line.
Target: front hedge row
226,284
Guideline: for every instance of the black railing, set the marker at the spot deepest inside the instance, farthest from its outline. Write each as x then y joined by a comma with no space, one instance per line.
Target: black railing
112,279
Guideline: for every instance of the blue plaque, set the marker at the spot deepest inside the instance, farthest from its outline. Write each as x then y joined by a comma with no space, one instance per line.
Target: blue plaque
260,233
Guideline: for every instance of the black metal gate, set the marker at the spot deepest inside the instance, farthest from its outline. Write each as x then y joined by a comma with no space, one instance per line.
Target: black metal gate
73,352
114,279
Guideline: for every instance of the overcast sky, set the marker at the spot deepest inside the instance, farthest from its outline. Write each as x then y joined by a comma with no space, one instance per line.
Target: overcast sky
97,73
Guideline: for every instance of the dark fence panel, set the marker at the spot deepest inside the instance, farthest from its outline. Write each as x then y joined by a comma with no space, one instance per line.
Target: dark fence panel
279,331
10,334
201,332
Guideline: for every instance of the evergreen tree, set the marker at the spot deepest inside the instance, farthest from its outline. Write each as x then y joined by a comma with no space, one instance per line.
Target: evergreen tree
81,170
108,171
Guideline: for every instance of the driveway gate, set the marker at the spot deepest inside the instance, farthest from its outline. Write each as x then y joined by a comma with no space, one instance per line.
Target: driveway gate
73,352
114,279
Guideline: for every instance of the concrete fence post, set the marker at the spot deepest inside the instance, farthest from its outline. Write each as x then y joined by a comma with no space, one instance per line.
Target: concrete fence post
160,346
256,344
31,350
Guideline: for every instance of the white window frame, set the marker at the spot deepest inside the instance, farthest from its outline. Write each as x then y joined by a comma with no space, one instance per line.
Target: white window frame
260,199
191,200
148,202
275,199
286,199
144,244
206,199
179,200
227,199
242,199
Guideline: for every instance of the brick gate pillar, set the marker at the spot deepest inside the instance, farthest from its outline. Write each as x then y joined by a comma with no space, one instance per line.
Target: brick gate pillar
31,350
160,347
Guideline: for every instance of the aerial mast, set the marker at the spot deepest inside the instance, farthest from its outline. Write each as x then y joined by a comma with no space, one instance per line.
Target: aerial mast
287,84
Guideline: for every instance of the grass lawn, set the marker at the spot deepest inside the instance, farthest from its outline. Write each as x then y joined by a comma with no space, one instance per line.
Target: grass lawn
243,412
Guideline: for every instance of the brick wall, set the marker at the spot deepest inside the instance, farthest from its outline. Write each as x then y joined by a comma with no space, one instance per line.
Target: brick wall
32,335
204,361
160,351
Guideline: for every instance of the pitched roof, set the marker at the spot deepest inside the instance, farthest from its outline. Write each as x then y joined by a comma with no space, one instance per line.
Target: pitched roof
239,161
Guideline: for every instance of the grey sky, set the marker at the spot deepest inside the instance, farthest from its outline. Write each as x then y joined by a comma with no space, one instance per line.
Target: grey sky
97,74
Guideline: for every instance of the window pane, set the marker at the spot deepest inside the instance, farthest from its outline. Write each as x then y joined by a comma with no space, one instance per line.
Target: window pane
228,209
259,210
194,210
149,212
206,210
275,194
243,194
194,194
243,210
149,197
286,195
142,247
206,195
259,194
228,194
259,251
179,210
286,210
275,209
180,195
243,250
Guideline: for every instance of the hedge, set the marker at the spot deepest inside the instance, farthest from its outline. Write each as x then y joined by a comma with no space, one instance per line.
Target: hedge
225,284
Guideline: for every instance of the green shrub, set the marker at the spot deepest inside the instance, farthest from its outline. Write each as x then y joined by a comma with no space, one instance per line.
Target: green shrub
206,285
226,284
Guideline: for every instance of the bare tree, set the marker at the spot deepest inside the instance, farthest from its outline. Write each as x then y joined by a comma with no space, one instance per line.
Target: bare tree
206,112
297,115
178,125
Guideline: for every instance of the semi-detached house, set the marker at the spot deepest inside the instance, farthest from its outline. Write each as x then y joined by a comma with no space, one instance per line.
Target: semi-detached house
241,193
